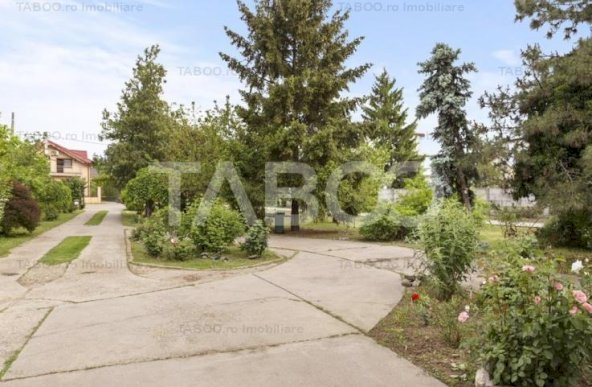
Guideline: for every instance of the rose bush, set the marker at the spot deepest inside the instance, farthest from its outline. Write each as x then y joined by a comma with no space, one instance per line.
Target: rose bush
538,325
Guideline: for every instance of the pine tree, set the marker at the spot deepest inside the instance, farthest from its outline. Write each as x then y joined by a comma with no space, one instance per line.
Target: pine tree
445,91
385,121
544,125
555,13
139,127
292,63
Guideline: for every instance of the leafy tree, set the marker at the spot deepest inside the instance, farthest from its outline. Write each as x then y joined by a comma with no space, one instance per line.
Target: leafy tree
139,127
23,160
385,121
213,139
293,64
555,13
545,124
21,210
145,192
445,91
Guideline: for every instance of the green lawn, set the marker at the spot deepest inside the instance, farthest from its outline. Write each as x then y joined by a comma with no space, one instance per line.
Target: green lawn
97,218
67,251
233,258
19,237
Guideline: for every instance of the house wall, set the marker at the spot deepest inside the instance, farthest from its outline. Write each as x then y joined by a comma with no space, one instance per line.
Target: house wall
78,169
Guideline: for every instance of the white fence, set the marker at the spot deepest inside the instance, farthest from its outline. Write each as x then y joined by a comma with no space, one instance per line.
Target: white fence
493,195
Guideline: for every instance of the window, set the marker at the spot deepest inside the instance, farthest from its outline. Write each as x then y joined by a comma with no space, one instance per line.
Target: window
63,163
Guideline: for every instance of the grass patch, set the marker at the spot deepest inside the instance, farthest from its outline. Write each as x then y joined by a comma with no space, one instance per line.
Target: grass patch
232,258
404,332
97,218
129,218
67,251
19,237
493,236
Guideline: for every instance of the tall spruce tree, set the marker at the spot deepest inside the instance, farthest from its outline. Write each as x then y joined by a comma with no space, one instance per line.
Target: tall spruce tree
139,127
292,63
385,121
445,92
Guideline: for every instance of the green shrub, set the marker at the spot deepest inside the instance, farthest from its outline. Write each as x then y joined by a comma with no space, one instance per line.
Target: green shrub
449,237
50,213
569,229
537,332
388,225
256,239
153,231
76,186
221,227
179,249
154,242
21,210
481,210
55,198
417,198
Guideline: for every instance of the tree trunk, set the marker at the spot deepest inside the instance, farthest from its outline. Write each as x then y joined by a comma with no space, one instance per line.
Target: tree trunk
149,209
464,190
295,218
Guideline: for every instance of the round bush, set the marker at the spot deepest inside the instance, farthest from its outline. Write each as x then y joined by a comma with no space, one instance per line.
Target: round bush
221,227
21,210
389,225
256,239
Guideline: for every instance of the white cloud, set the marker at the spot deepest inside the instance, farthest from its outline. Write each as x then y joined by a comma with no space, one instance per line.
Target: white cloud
508,57
59,70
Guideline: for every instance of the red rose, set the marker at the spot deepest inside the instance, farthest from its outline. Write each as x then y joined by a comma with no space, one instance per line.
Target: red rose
414,297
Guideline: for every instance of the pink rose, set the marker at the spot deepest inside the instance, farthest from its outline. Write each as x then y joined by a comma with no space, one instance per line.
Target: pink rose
587,307
537,300
580,296
463,316
528,268
573,311
558,286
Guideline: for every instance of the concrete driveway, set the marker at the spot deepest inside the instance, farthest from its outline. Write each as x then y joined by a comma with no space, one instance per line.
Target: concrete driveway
301,323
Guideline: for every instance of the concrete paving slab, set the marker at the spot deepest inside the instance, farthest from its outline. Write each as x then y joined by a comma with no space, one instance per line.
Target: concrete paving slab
238,313
112,327
359,294
372,252
311,244
16,325
352,360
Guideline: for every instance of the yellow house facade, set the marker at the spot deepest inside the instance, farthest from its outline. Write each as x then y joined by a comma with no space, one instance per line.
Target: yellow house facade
68,163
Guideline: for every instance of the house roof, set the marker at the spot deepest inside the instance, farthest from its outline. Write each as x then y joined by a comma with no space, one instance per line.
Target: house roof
79,155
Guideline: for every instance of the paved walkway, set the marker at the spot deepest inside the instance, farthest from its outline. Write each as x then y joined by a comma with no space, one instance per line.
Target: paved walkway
301,323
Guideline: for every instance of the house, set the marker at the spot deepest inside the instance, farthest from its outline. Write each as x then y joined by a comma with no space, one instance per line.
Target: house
67,163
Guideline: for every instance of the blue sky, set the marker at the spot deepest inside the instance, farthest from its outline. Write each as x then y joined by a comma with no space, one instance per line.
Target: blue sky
63,62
